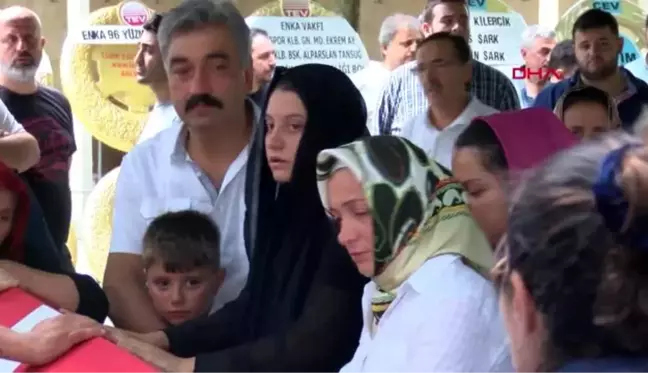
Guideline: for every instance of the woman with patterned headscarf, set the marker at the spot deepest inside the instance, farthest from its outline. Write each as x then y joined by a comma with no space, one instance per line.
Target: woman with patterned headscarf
403,220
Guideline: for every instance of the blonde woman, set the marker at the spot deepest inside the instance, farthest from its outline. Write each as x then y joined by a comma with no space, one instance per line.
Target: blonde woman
587,112
403,220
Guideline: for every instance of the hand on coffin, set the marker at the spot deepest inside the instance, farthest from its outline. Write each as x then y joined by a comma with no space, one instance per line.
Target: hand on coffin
7,280
53,337
153,355
157,339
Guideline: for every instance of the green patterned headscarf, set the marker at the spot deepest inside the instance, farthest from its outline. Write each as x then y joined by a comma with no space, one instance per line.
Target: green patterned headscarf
418,209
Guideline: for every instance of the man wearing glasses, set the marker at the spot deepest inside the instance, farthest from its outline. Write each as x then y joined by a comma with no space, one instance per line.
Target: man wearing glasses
445,69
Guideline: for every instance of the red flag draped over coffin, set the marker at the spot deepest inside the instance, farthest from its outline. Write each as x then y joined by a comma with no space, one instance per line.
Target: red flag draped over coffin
21,311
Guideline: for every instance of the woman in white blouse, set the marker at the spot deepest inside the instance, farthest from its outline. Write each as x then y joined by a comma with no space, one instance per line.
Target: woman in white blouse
403,220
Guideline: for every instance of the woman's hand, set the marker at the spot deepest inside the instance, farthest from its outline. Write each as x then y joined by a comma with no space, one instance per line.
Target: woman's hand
7,281
138,345
53,337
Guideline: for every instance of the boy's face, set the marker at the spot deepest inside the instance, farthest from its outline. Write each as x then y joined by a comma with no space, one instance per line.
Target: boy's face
7,207
182,296
587,119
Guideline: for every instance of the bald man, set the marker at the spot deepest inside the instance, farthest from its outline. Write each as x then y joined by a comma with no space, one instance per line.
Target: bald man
43,112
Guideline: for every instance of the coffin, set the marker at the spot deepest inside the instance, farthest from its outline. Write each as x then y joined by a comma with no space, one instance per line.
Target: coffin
21,311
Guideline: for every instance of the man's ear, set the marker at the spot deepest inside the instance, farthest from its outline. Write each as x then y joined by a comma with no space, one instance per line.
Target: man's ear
383,51
523,305
620,45
426,28
248,78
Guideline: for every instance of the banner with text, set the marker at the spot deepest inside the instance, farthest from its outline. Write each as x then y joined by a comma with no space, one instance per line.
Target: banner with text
108,34
326,40
495,33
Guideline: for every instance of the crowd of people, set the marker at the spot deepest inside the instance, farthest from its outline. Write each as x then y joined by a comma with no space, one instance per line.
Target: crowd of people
426,214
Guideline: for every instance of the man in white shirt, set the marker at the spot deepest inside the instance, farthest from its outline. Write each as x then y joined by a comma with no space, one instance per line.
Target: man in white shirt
198,165
398,36
150,71
404,97
444,65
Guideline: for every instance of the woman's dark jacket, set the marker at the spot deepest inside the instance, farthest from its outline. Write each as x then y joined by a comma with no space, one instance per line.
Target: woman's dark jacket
301,307
31,244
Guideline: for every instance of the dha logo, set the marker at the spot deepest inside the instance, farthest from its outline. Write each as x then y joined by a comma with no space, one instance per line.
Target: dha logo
545,73
133,13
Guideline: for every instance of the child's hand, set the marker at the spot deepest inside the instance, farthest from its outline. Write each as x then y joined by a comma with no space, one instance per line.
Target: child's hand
7,280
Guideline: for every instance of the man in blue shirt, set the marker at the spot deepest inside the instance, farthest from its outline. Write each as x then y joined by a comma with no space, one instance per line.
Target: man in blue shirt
639,67
597,45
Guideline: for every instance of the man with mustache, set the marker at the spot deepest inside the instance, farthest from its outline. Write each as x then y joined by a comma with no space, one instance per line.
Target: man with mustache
597,45
444,65
404,97
44,112
150,72
197,164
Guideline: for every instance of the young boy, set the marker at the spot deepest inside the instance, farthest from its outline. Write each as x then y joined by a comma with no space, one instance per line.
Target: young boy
181,257
587,112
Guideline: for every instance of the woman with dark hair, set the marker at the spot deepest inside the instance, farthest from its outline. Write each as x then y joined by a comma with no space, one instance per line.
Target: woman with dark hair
573,275
29,260
28,254
587,112
300,309
493,149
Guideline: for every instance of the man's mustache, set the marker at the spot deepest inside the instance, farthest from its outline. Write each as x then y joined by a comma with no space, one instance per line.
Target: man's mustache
205,99
26,56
